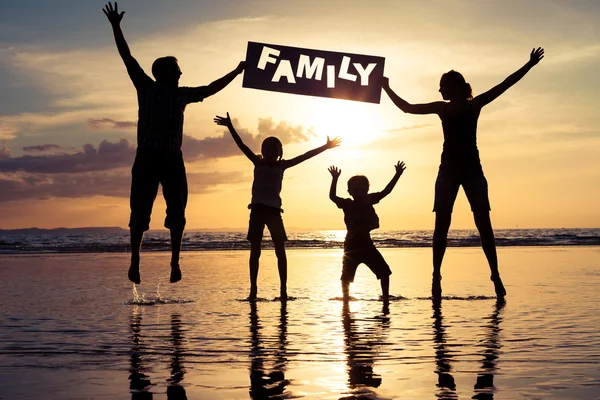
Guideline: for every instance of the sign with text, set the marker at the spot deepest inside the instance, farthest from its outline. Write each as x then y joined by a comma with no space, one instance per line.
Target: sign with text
313,72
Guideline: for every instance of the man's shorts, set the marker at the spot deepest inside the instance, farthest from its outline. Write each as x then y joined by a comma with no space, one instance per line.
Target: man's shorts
451,177
150,170
366,253
262,215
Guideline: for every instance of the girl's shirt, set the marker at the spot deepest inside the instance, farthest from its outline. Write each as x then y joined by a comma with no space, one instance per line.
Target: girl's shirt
266,187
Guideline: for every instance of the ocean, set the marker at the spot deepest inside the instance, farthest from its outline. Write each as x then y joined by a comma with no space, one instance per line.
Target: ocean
66,241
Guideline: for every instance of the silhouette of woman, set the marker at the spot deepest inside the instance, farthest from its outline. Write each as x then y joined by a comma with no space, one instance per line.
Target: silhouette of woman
460,164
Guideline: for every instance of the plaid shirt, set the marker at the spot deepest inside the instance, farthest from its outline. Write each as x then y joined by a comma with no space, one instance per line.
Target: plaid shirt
160,113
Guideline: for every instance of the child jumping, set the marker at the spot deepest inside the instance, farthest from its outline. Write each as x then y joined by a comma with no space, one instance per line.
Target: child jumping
361,219
266,201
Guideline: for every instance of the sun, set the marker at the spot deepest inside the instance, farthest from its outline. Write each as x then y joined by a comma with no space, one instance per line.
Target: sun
354,122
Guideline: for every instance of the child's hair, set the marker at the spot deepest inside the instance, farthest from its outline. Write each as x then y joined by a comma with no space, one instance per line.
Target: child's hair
456,80
358,183
272,141
160,67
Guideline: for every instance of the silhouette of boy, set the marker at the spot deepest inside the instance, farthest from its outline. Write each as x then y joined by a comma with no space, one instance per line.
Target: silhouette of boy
361,219
159,135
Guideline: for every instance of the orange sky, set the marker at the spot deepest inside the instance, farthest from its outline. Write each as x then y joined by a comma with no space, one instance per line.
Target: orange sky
539,142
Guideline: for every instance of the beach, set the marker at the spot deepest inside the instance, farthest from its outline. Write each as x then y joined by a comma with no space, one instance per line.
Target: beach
72,328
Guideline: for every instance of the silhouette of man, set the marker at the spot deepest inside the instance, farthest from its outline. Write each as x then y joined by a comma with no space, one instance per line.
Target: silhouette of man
159,135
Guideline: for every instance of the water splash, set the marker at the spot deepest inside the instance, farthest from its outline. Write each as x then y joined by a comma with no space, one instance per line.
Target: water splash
139,299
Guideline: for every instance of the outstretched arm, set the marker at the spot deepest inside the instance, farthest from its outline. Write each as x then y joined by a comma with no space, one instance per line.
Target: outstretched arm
226,121
331,143
427,108
400,167
335,174
492,94
136,73
222,82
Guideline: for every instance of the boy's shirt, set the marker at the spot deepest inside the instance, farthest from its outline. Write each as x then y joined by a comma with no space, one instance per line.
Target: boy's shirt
160,110
360,217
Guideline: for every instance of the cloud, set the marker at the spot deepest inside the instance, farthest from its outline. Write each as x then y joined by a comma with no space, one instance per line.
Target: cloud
43,148
224,146
111,123
106,157
4,152
408,128
116,183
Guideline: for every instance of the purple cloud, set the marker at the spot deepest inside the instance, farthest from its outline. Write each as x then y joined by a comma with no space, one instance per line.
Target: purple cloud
111,123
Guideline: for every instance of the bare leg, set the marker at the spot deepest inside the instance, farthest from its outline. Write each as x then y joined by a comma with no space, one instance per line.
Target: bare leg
176,239
345,291
440,237
484,226
282,266
136,245
385,288
254,257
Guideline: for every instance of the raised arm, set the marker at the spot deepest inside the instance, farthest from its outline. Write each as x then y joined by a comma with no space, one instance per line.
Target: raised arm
492,94
331,143
222,82
226,121
335,174
136,72
427,108
400,167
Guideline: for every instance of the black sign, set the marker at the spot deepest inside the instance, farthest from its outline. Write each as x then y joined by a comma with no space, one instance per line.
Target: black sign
313,72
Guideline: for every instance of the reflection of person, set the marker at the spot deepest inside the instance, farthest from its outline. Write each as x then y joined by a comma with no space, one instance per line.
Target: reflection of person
159,135
269,167
361,219
443,356
174,389
460,163
359,348
273,384
139,382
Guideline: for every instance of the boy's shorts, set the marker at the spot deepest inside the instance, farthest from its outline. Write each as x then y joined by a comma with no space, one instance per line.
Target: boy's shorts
262,215
363,253
471,177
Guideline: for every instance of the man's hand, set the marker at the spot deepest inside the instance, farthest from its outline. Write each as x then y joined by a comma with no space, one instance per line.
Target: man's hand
224,121
113,13
335,172
331,143
385,82
241,67
400,167
535,56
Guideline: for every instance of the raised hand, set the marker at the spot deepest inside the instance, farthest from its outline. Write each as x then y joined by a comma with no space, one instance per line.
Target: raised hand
331,143
400,167
536,55
335,172
224,121
241,67
113,13
385,82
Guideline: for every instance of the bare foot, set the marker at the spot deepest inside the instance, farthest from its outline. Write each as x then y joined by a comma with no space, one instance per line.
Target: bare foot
175,273
134,272
253,292
436,288
498,286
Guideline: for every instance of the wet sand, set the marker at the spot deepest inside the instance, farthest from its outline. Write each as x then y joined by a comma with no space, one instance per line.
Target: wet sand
71,328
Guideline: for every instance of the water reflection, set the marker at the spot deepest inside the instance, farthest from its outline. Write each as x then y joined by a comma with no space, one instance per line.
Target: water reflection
139,381
263,384
361,344
484,386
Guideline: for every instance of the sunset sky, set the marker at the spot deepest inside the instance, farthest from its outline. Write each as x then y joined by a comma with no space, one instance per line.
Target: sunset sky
68,109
